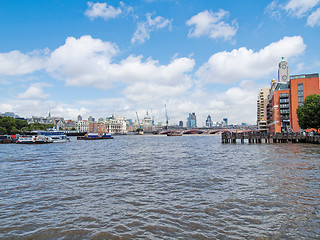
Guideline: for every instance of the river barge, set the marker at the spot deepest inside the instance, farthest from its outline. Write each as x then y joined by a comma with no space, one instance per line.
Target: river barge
95,136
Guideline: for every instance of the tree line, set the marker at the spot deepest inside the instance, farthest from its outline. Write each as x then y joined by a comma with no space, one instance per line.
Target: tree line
9,125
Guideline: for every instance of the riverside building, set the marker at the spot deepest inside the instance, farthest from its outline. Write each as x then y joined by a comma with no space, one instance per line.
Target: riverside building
262,103
82,126
104,125
286,94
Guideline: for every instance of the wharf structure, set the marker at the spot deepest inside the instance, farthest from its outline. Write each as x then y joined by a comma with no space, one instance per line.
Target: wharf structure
284,97
264,137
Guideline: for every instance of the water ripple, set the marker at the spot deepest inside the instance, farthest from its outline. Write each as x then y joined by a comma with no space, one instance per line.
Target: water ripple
155,187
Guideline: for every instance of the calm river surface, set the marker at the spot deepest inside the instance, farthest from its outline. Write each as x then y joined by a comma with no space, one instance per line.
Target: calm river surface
159,187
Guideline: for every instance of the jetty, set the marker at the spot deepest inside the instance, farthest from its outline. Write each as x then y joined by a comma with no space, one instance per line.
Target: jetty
264,137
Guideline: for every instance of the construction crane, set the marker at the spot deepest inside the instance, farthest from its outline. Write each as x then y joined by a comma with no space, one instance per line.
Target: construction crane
140,131
152,118
167,119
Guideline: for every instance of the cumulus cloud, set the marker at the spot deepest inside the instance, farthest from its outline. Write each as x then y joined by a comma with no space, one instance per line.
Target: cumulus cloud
83,61
146,27
16,63
35,91
229,67
102,10
211,24
89,62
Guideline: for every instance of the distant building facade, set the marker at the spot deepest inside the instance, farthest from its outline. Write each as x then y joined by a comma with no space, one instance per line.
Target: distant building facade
209,123
147,123
192,120
57,121
82,126
79,119
262,103
116,124
108,125
69,125
225,122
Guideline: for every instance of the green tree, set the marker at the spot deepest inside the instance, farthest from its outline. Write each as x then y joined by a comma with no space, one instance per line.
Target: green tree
21,124
309,113
14,130
3,130
9,125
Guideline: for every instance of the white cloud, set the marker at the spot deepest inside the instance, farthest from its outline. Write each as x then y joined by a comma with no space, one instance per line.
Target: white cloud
314,18
210,24
132,70
229,67
146,27
296,8
6,107
83,61
102,10
274,10
40,107
16,63
69,112
35,91
89,62
299,8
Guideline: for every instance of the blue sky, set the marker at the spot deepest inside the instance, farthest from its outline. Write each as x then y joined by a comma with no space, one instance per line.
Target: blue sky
116,57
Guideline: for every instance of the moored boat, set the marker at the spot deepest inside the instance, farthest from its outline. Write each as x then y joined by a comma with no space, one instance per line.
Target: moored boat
39,139
95,136
56,136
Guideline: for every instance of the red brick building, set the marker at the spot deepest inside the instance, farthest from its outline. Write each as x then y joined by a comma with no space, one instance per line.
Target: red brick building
286,95
301,86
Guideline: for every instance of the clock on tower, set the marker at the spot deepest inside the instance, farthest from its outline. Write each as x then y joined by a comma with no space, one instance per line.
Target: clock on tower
283,71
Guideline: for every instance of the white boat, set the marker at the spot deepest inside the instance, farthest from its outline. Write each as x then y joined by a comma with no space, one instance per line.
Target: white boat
39,139
56,136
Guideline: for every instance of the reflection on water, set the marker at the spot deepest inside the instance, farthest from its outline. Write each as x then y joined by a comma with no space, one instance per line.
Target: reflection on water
158,187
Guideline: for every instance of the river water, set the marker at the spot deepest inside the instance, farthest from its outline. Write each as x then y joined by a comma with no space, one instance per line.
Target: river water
159,187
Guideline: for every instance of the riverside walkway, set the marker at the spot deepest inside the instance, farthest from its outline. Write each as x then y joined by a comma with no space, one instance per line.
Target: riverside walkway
258,137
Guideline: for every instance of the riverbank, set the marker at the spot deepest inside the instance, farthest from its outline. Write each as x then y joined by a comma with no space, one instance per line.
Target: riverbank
258,137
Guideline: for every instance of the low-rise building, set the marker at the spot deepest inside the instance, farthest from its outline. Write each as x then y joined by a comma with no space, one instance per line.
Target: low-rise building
69,125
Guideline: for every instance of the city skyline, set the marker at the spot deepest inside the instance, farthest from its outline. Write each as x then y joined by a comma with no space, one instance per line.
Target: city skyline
134,121
108,57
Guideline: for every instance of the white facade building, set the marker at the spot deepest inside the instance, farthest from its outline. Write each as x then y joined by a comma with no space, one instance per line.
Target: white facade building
82,126
116,125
